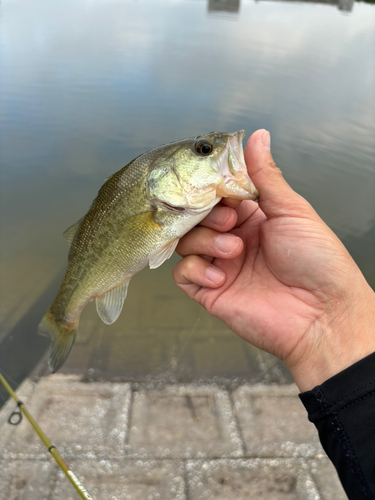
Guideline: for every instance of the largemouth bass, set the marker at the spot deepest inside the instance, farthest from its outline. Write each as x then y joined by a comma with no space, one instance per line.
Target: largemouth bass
136,220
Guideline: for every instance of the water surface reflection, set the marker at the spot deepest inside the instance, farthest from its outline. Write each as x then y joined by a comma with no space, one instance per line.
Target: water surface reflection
87,86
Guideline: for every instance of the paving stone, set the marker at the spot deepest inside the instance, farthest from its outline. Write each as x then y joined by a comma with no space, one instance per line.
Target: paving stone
80,419
183,421
326,479
26,480
244,479
274,422
24,393
125,480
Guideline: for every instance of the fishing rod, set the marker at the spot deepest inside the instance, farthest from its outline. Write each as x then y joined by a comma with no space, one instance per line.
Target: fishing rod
51,448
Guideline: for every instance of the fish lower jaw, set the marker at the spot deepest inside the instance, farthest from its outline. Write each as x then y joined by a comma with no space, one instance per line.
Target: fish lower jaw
205,208
237,192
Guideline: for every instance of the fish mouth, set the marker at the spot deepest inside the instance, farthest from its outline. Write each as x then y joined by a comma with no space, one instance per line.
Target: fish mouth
236,181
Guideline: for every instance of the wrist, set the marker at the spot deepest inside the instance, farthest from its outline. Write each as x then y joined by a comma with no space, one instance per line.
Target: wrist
335,342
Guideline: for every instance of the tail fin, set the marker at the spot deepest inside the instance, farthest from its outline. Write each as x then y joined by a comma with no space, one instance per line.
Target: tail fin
63,339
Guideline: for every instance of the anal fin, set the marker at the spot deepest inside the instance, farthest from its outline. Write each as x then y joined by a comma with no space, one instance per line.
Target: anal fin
109,305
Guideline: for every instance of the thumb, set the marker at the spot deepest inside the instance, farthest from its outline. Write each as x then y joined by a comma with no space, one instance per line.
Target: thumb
276,197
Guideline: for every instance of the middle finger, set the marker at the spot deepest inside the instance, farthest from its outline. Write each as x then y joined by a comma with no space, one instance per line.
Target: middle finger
210,243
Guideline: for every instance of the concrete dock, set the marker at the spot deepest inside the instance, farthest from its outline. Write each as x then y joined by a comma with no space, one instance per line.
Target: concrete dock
139,441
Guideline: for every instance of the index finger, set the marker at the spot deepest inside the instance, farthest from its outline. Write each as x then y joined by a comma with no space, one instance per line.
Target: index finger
230,202
221,218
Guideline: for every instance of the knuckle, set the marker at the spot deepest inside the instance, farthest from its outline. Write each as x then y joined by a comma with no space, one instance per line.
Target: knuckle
184,270
189,264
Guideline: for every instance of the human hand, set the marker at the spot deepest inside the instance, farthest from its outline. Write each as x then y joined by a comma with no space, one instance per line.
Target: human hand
279,277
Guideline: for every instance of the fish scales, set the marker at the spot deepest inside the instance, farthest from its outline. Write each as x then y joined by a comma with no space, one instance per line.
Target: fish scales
137,219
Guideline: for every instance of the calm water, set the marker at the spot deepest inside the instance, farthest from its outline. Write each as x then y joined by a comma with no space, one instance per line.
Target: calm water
88,85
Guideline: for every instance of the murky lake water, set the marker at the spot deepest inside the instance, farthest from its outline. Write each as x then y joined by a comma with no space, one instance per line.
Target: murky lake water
88,85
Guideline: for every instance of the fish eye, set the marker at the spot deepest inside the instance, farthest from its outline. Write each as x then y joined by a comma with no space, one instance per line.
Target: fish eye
204,147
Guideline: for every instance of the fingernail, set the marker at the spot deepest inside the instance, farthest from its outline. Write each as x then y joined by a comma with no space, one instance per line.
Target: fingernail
227,243
214,274
219,216
266,139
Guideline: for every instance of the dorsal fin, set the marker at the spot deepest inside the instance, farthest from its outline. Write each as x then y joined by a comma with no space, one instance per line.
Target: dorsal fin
110,177
71,231
109,304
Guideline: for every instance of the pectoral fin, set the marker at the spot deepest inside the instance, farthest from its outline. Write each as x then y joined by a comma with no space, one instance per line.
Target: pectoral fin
157,258
109,304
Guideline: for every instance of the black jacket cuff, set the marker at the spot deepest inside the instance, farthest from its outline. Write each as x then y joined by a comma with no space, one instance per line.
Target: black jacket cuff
343,410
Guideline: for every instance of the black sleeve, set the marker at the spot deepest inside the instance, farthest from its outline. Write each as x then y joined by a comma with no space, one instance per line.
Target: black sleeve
343,411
